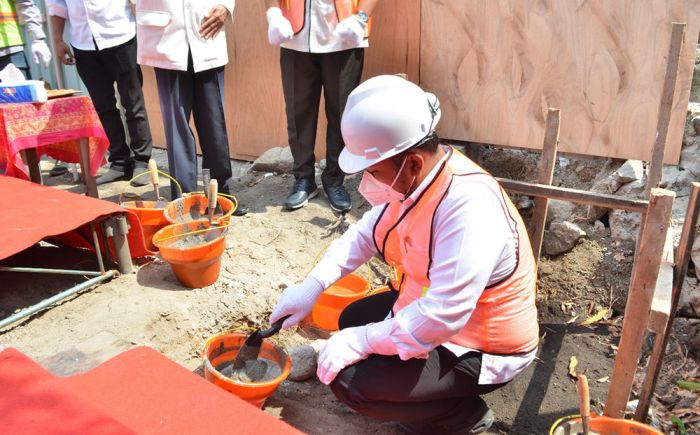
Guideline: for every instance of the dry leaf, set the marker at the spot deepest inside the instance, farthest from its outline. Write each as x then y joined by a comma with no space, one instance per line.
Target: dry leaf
603,379
619,256
597,317
573,363
572,320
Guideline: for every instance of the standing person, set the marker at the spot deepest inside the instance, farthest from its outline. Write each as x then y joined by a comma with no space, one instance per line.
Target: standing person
185,42
463,320
323,44
11,39
103,37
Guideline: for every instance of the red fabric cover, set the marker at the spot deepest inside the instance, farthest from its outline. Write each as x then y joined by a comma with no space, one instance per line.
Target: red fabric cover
138,391
52,128
152,394
33,401
31,212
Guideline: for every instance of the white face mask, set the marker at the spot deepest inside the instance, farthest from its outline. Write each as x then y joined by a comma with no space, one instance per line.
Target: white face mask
378,193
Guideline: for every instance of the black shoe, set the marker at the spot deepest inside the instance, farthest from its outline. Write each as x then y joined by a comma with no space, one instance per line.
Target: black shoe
59,168
140,168
477,420
303,191
339,198
114,173
241,210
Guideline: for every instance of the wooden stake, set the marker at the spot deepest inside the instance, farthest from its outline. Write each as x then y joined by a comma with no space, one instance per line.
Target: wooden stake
682,257
547,164
574,195
641,291
666,106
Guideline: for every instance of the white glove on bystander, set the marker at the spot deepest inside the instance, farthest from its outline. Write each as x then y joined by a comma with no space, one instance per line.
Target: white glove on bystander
345,348
279,28
351,30
297,302
41,53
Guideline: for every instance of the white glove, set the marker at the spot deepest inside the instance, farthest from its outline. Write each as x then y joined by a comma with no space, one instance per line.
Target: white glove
345,348
351,30
41,52
297,302
279,28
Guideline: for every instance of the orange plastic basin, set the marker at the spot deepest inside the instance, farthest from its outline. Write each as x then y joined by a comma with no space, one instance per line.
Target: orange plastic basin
193,206
223,348
335,298
604,426
151,218
194,266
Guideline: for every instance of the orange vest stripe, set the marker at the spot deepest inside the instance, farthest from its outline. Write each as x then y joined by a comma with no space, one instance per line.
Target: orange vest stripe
505,318
295,12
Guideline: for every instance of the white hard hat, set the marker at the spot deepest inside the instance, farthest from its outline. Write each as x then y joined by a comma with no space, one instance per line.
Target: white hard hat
383,117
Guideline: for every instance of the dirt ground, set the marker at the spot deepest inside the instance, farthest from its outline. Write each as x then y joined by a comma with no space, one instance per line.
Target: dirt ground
270,249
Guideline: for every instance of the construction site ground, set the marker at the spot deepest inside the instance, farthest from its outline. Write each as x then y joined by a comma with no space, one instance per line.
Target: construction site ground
269,249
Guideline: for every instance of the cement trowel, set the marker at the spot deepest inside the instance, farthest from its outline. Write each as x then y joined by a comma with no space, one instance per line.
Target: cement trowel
212,201
251,347
153,170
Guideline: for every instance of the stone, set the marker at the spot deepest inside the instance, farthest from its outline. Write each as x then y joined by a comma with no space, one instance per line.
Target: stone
559,211
598,226
696,125
278,160
689,300
631,170
690,158
304,360
695,254
633,189
561,237
624,225
607,185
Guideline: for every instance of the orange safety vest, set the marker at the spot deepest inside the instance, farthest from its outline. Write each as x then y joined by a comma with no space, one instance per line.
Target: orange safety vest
504,321
295,12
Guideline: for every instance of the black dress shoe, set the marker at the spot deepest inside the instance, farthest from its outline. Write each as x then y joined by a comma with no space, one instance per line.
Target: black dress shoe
241,210
339,198
303,191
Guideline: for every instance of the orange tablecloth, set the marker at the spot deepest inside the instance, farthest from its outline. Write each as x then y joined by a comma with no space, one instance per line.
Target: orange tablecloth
52,128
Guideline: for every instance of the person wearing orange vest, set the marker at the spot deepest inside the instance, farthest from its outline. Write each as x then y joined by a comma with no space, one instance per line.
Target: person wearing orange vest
12,13
322,47
461,319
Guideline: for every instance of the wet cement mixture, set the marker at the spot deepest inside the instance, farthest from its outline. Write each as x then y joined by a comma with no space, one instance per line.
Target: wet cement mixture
258,370
193,240
271,249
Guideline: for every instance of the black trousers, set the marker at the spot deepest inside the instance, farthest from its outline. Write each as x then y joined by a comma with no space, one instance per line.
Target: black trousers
303,77
183,94
442,389
99,70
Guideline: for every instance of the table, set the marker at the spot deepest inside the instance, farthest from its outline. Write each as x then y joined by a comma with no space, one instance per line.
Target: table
67,129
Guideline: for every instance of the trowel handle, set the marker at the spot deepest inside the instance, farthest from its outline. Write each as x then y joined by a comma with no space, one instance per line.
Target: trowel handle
584,401
153,170
275,328
212,193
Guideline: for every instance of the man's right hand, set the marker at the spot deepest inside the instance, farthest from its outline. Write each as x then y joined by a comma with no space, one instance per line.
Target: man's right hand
63,53
279,28
297,302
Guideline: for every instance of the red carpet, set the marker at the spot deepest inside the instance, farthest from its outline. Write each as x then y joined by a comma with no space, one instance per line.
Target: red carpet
31,212
138,391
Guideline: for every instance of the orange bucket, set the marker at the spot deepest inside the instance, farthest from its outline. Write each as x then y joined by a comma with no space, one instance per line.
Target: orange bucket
335,298
193,206
602,425
197,265
151,218
222,349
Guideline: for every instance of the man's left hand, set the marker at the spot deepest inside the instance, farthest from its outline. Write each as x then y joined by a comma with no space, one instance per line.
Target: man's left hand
343,349
213,22
351,30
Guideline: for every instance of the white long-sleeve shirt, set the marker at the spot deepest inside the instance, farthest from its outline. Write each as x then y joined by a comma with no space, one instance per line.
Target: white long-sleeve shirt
108,22
474,246
29,16
317,35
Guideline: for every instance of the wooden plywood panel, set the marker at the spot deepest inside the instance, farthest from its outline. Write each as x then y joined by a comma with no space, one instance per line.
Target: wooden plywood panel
253,87
498,65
